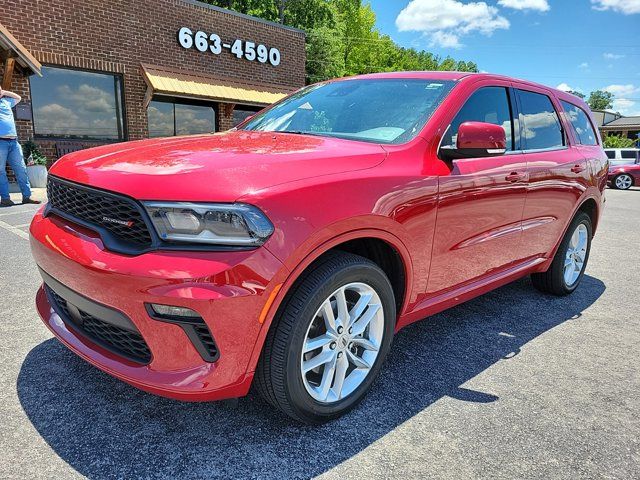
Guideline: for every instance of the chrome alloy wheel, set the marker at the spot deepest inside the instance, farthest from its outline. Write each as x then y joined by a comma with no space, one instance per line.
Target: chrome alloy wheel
623,182
342,342
576,254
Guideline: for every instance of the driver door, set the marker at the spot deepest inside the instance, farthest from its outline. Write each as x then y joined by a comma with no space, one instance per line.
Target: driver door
480,202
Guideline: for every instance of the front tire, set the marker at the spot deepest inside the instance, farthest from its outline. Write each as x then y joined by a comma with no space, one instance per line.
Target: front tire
569,263
328,340
623,181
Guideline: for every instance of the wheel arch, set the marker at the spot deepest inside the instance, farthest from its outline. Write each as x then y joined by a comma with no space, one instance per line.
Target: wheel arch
381,247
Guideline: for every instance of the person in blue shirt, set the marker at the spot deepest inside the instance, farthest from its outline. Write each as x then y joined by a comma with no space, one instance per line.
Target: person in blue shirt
11,151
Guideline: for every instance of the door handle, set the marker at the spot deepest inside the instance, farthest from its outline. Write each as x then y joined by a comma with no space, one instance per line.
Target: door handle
514,177
577,168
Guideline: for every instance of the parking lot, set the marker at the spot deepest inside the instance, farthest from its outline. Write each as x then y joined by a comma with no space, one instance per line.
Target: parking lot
513,384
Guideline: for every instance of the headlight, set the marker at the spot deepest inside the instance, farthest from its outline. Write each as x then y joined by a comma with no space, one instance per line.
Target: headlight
213,223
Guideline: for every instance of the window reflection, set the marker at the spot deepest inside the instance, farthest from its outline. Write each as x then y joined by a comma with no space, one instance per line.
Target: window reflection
542,128
77,104
169,118
241,113
580,123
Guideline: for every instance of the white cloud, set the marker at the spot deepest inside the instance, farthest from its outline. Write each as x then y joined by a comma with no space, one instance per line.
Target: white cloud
624,98
540,5
565,88
445,21
583,65
445,40
613,56
628,7
620,91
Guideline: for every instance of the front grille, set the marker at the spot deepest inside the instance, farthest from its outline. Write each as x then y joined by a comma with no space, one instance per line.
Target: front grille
121,341
118,215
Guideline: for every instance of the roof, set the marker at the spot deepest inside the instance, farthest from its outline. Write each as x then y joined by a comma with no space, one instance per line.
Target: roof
23,56
433,75
243,15
624,122
455,76
171,82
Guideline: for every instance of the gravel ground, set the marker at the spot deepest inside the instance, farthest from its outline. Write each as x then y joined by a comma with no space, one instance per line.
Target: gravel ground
513,384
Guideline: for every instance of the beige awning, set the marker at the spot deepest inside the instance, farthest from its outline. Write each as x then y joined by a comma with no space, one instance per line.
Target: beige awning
171,82
10,45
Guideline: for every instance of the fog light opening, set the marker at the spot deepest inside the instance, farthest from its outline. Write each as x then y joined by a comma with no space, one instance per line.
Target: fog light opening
172,311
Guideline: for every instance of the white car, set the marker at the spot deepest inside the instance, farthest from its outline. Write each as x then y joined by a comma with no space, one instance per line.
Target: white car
622,156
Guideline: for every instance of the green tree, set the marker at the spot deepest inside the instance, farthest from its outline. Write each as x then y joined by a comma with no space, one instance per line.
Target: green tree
618,141
600,100
341,38
577,94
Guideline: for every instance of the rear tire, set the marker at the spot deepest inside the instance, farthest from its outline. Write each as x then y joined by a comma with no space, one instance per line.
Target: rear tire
284,377
570,261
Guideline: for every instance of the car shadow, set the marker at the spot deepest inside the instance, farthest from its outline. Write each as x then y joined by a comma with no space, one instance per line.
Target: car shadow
104,428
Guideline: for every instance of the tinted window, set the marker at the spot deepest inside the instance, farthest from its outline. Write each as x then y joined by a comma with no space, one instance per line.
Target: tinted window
489,105
77,104
610,153
580,123
241,113
541,125
166,119
628,154
380,110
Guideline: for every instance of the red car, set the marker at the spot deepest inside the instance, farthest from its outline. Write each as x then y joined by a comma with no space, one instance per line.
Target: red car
623,177
287,252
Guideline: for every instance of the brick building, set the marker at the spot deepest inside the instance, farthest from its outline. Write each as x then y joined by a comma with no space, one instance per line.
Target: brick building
92,72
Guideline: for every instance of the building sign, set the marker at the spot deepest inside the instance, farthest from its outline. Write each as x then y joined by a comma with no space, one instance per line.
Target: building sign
213,43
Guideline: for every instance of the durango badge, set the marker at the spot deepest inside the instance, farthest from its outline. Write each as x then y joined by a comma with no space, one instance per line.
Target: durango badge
126,223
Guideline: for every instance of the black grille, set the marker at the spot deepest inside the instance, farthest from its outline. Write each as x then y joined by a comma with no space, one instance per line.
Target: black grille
119,215
121,341
206,339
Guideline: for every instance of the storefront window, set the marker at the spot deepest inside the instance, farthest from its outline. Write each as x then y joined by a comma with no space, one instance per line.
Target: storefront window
242,112
77,104
168,118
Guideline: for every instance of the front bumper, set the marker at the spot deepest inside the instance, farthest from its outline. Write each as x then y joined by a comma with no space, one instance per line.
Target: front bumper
227,289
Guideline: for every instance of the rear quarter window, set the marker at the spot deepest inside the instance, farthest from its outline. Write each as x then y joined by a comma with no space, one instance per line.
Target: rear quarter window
611,154
580,123
628,154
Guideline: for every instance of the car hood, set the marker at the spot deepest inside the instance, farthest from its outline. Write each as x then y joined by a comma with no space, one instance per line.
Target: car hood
216,167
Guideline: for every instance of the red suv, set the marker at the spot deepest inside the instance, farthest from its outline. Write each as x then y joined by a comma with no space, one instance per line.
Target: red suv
286,253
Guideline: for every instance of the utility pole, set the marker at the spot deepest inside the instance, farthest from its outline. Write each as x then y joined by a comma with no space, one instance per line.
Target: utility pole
281,5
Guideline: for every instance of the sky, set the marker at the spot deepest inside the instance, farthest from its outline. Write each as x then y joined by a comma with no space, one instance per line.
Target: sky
581,45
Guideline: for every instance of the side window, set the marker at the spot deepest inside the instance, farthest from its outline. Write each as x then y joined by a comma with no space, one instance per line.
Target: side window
540,122
580,123
628,154
610,154
488,104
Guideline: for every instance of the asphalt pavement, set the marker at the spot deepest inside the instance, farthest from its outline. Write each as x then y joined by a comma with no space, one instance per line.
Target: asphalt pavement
514,384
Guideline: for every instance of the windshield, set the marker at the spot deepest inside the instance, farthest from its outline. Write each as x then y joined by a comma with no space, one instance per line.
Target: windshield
371,110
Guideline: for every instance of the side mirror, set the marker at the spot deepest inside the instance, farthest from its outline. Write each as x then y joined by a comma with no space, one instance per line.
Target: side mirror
477,139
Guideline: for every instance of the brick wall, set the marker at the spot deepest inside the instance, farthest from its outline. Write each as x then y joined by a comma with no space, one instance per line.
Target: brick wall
117,35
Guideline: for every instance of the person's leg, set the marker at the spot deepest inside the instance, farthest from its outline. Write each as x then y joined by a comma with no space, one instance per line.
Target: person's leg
4,181
19,168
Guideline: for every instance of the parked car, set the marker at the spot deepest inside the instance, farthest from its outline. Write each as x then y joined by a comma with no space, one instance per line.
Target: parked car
623,176
622,156
287,252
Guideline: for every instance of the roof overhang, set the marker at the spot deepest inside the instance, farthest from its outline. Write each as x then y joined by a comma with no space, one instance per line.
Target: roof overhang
12,48
630,126
176,83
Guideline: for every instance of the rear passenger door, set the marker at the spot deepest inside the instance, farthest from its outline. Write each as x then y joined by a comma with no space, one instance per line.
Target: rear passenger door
558,172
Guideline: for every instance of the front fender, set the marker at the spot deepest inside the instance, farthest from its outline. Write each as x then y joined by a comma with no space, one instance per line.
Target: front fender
317,245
